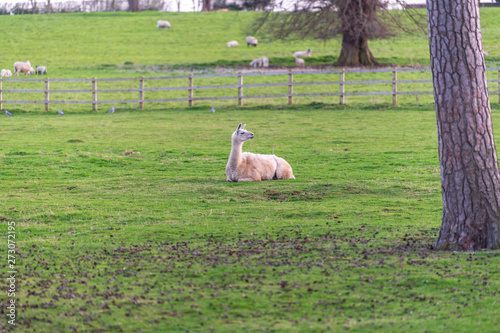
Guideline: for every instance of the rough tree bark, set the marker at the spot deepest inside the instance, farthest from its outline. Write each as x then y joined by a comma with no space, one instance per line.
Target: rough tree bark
467,155
355,52
359,22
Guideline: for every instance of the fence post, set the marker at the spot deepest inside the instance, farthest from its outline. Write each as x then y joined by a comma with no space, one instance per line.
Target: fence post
141,93
47,94
240,89
94,94
342,90
1,104
394,87
290,88
190,103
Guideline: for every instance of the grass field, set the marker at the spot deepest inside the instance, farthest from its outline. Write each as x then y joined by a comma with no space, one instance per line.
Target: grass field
117,45
124,222
84,45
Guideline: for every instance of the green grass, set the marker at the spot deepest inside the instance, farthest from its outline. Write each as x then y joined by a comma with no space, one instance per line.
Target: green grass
84,45
125,222
116,45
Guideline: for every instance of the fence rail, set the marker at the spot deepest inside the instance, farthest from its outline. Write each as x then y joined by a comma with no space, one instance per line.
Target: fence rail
340,85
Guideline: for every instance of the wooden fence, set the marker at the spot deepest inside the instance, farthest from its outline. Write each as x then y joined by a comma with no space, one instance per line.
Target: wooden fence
339,87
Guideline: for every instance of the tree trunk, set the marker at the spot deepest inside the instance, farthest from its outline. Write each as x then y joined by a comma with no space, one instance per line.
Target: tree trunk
133,5
355,52
207,6
467,155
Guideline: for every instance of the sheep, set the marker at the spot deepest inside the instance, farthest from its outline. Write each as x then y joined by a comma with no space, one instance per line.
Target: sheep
251,41
162,24
41,70
232,43
23,67
299,62
265,62
256,63
6,73
32,71
302,54
248,167
486,53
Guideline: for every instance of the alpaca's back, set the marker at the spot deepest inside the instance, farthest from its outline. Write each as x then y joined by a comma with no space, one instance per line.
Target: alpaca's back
267,166
263,165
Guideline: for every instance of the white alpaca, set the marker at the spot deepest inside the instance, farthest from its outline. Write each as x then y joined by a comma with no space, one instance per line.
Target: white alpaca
248,167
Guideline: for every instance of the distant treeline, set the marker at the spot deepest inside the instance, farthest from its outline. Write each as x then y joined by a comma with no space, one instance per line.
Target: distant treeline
47,7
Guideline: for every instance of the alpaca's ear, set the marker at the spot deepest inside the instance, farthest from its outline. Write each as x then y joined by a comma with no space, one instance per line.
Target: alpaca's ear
239,126
243,126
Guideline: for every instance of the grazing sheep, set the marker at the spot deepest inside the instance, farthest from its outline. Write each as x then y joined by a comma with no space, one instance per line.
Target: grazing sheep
265,62
23,67
162,24
41,70
32,71
248,167
256,63
251,41
486,53
232,43
299,62
6,72
302,54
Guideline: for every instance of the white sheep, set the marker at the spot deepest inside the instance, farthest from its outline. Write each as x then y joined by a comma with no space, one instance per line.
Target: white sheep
6,73
41,70
302,54
232,43
299,62
162,24
256,63
251,41
23,67
248,167
265,62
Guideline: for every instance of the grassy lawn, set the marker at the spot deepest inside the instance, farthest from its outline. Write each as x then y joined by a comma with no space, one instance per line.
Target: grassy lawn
84,45
125,222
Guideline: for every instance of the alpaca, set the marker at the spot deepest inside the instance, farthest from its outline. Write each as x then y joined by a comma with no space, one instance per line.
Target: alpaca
248,167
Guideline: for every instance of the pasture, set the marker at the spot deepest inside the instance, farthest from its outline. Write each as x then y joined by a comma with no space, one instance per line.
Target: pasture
124,222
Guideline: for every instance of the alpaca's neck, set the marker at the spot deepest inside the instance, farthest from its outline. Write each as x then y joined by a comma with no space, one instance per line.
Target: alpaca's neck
235,156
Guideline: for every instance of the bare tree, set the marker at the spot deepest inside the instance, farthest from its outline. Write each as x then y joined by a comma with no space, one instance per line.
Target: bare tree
357,21
469,167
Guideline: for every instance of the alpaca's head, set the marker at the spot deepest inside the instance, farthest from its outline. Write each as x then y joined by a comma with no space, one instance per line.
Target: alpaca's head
240,135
